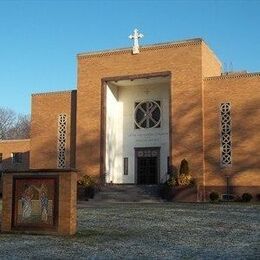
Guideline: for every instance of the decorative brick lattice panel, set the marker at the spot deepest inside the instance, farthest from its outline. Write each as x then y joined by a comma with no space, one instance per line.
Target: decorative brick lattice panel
61,141
226,142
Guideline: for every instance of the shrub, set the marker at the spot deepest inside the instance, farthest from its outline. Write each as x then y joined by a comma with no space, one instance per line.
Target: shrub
184,179
172,181
86,181
90,192
181,178
165,191
89,186
184,167
246,197
214,196
192,182
177,178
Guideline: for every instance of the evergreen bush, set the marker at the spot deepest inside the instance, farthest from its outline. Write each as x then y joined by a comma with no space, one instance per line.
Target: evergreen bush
184,177
89,186
246,197
184,167
214,196
177,179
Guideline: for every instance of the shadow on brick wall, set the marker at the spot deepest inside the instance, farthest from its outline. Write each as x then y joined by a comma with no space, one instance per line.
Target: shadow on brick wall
8,165
245,168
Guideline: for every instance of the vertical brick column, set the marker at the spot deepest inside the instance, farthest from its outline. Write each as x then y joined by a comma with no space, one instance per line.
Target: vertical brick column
67,222
7,202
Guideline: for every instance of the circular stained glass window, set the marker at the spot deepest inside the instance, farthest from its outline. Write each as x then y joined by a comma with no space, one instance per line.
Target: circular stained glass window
147,114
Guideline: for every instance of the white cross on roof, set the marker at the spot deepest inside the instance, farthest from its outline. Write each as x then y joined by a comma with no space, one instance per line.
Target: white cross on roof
135,36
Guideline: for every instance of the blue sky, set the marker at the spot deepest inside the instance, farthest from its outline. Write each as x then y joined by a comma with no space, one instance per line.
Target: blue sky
39,40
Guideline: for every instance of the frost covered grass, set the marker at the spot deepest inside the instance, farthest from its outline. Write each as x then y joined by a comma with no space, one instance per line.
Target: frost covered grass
161,230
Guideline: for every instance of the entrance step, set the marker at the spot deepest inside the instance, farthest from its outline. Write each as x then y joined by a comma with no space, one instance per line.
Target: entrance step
128,193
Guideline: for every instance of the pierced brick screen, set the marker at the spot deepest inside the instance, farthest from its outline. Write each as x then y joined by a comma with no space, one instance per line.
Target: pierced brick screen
61,142
226,142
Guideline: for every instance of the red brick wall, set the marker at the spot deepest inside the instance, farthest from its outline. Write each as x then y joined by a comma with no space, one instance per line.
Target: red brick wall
44,129
7,147
194,113
182,60
211,66
243,93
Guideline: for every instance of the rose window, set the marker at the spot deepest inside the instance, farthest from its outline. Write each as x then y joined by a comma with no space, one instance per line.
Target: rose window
147,114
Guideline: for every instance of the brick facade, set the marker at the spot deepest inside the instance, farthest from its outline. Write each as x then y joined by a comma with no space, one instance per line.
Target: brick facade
8,147
197,87
242,91
182,60
46,108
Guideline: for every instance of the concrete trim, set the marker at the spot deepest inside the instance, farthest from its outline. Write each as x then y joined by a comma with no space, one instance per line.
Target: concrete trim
15,140
234,75
165,45
53,92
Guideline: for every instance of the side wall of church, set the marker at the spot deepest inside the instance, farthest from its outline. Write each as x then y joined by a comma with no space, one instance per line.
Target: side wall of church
242,92
211,66
46,109
8,147
182,60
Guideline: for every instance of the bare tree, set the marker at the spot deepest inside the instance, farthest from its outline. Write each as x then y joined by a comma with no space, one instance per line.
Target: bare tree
14,126
7,120
21,128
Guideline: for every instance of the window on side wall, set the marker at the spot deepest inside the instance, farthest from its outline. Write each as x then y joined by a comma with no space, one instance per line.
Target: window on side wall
1,157
125,166
17,158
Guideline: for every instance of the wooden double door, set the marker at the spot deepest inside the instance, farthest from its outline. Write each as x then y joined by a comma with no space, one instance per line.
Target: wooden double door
147,165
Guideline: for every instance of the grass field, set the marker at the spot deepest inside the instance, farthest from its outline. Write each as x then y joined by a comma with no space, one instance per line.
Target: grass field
166,230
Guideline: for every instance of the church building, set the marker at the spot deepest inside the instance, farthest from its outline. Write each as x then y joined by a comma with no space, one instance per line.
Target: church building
138,112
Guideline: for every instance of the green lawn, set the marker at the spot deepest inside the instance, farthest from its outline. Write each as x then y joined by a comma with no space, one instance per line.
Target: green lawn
166,230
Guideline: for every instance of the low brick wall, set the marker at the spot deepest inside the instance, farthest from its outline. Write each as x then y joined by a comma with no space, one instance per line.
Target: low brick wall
40,201
185,194
236,191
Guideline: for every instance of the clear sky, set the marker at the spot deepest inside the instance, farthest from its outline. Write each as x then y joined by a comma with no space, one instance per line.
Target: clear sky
39,40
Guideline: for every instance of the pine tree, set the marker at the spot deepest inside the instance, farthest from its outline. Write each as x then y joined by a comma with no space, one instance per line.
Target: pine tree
184,167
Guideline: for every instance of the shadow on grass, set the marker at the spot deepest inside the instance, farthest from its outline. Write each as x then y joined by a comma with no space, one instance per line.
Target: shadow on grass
112,234
102,235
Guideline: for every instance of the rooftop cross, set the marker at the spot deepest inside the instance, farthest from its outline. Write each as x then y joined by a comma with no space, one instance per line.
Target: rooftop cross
135,36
